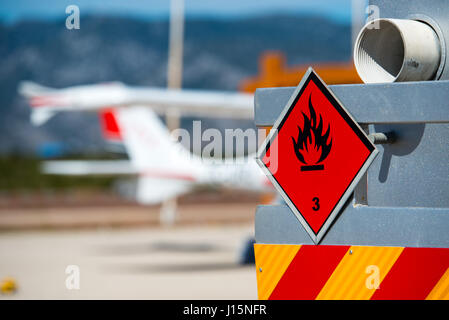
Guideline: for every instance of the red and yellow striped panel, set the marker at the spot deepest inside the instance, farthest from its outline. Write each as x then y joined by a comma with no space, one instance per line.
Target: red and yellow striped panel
351,272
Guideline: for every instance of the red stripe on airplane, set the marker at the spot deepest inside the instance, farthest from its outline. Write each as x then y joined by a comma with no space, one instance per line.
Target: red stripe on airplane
109,125
44,101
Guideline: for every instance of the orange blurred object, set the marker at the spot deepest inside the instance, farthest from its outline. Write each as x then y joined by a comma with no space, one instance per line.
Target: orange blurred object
273,72
8,286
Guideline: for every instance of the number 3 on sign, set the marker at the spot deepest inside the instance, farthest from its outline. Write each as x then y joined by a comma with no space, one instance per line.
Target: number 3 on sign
316,207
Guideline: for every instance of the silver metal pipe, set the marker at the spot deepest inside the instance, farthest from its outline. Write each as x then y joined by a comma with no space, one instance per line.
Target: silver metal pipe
398,50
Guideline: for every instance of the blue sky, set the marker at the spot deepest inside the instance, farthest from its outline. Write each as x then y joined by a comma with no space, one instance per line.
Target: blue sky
13,10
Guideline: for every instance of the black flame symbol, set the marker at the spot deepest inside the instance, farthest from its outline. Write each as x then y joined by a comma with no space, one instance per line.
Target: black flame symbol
311,141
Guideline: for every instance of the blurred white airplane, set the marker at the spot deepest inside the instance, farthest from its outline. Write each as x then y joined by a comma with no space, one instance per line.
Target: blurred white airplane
46,102
164,168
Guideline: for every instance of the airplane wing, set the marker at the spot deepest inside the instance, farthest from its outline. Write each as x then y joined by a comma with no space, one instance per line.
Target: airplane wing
195,102
46,102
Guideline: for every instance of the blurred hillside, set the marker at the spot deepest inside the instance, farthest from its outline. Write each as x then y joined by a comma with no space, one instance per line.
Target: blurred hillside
218,55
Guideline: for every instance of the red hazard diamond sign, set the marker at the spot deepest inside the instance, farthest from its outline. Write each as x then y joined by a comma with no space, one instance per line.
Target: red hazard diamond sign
315,155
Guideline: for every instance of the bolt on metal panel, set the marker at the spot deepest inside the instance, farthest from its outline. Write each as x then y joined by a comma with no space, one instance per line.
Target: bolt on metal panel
404,198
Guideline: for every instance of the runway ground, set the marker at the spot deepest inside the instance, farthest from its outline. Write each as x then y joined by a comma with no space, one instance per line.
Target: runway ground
181,262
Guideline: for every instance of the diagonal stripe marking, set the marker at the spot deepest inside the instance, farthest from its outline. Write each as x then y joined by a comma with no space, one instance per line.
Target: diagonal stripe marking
348,281
308,272
273,260
441,290
415,274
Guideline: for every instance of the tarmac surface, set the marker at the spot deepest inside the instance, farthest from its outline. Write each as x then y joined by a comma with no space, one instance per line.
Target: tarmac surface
182,262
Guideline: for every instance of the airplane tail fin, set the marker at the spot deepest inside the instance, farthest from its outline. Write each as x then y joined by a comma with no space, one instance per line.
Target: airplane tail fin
166,169
39,117
109,125
32,89
41,99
